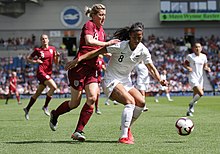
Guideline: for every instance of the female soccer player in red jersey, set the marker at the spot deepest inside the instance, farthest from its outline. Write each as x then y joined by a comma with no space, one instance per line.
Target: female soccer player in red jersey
13,87
84,76
44,56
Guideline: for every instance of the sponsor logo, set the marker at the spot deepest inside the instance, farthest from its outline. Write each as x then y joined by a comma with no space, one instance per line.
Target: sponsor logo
76,83
71,16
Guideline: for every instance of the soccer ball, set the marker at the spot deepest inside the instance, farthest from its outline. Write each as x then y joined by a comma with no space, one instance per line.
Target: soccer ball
184,126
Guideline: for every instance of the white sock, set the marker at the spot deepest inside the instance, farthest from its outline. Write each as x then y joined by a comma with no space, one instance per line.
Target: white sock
157,95
126,119
195,99
168,96
137,112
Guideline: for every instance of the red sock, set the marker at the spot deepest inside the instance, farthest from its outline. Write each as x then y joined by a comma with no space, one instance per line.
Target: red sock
47,101
63,108
85,115
18,98
30,104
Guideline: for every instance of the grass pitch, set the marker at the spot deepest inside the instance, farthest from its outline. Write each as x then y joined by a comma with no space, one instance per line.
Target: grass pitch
154,131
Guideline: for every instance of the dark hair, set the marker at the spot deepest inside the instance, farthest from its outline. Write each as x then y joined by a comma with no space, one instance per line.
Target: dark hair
123,33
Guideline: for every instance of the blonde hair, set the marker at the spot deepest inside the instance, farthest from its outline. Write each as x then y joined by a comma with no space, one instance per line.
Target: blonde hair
94,9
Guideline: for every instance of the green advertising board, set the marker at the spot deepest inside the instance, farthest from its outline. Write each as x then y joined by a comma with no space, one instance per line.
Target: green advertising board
190,17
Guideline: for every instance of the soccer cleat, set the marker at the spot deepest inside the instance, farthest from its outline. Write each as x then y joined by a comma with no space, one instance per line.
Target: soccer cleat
78,136
125,140
145,108
26,114
115,102
19,103
156,100
189,114
170,100
53,121
46,111
130,136
98,112
107,103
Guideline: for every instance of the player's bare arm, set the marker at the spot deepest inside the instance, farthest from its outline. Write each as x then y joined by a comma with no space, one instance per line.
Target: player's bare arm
155,74
89,55
207,68
56,57
93,42
186,65
34,61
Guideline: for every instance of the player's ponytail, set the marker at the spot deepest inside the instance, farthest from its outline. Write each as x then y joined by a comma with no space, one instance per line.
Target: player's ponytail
123,33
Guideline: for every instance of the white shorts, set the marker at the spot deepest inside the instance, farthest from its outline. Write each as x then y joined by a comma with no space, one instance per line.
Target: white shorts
163,88
109,85
196,82
142,86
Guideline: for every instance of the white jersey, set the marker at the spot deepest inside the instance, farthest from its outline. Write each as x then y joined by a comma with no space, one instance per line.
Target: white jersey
121,63
123,60
163,77
197,64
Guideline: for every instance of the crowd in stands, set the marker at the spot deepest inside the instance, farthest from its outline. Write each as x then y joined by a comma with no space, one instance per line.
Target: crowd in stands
170,53
16,43
167,53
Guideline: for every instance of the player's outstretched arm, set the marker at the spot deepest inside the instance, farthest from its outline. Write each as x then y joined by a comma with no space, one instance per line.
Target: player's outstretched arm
89,55
154,72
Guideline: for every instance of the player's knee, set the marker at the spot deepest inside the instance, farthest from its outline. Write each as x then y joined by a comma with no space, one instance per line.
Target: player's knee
92,99
201,94
130,101
53,88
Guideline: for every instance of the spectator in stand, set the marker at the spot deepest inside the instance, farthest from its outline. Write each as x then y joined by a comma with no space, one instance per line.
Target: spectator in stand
44,57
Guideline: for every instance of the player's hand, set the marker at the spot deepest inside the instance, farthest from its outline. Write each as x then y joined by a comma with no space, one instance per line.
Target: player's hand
207,69
113,41
164,82
57,54
190,69
71,64
39,61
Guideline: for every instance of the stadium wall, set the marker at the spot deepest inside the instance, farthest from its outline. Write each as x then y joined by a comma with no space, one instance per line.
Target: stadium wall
43,19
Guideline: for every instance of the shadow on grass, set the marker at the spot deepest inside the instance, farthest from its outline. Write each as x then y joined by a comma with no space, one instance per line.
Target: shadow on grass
59,142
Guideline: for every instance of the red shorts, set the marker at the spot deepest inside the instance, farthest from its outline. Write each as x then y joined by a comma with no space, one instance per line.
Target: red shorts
82,75
12,90
42,77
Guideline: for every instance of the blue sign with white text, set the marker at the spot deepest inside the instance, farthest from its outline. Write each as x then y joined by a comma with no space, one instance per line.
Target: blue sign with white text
71,17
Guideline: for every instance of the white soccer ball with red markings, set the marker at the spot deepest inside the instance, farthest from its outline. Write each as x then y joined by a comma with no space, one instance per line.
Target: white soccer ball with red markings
184,126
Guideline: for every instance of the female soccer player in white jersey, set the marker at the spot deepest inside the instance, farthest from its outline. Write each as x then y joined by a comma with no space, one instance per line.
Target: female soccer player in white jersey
117,83
162,89
195,63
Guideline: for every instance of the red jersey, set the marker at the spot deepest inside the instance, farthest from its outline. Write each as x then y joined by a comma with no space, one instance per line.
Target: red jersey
99,64
13,80
98,34
46,55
